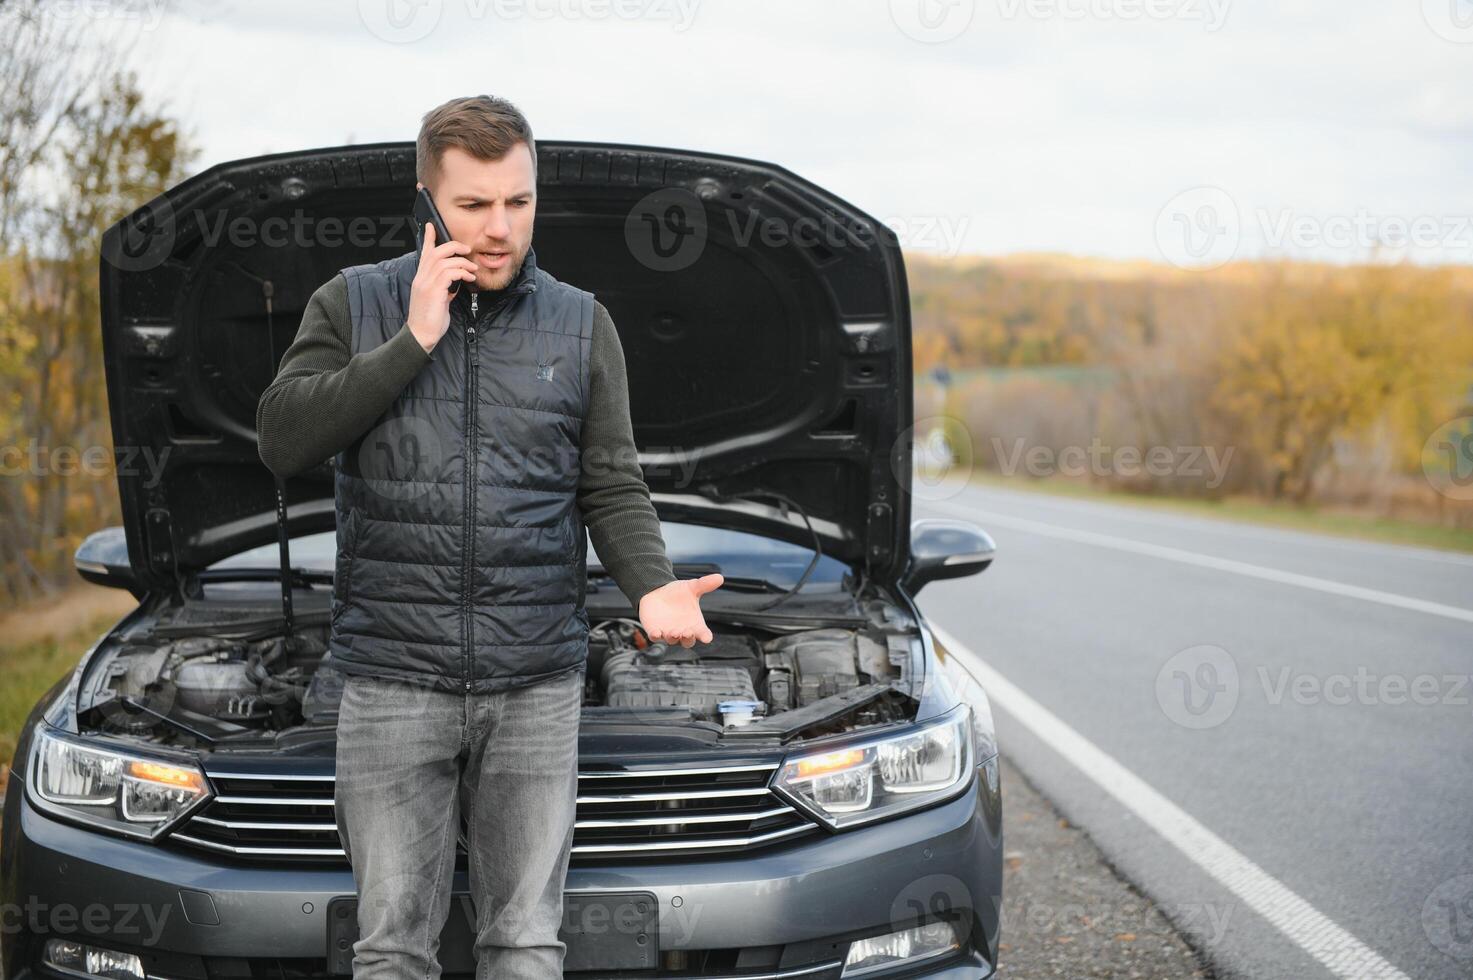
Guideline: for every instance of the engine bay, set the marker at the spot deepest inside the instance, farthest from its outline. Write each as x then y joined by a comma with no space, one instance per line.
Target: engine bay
223,676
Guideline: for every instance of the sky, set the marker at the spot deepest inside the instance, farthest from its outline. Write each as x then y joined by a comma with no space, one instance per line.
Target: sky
1185,131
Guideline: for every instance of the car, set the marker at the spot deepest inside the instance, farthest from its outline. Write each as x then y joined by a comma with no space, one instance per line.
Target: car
815,793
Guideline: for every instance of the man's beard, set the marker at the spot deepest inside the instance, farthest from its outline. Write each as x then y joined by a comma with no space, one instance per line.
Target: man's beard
500,278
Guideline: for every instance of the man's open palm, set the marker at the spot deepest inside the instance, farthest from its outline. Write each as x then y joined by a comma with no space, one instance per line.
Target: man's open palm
673,611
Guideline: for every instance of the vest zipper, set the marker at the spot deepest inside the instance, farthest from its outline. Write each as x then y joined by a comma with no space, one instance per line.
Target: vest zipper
472,361
472,450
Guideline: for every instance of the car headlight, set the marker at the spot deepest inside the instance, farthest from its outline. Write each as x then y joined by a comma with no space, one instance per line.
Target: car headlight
110,788
878,778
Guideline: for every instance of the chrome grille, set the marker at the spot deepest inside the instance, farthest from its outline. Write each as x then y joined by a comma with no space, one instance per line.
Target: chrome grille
719,809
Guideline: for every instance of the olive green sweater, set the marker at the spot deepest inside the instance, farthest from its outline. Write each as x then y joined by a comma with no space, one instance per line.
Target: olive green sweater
322,399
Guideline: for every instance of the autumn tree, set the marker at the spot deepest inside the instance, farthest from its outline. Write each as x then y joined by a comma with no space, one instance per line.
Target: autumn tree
82,149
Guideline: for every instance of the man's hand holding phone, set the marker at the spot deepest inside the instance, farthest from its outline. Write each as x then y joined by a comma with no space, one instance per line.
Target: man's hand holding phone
440,265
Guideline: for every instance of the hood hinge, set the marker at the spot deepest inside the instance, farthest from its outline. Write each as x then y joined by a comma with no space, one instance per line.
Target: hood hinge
160,542
879,533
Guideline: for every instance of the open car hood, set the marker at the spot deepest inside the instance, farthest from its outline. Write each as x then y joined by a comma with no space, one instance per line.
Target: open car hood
766,332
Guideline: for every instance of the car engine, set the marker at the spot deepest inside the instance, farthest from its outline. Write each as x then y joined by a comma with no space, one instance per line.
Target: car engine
243,679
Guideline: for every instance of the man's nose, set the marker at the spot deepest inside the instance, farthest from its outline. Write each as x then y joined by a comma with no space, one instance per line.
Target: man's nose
497,227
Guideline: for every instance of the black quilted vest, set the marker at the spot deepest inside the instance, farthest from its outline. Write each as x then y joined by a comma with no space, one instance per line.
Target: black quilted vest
462,554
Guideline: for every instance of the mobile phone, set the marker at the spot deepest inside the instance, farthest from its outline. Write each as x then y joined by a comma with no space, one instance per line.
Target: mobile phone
425,213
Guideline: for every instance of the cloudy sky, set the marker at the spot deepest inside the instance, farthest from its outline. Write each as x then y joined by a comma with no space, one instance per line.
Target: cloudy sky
1186,130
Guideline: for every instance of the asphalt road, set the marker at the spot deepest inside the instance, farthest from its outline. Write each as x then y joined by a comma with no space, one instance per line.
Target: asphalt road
1270,733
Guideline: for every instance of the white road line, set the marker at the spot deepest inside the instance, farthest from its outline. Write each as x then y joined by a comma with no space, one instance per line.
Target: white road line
1223,525
1309,929
1208,561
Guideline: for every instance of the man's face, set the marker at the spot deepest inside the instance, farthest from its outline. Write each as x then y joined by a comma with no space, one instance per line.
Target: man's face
489,205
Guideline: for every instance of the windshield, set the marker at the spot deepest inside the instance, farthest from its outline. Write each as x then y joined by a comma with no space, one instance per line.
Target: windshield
737,553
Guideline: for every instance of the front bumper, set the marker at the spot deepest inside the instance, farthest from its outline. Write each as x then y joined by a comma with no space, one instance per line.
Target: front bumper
791,910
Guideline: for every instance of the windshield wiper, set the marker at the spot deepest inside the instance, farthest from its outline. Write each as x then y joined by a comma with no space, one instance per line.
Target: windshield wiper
785,503
300,576
737,583
688,570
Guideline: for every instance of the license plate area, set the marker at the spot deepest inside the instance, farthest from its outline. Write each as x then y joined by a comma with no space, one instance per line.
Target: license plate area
603,931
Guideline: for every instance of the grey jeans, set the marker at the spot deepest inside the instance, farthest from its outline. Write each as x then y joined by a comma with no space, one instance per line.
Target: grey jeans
409,759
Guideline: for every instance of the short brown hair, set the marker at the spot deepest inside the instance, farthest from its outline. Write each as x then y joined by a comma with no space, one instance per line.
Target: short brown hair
484,126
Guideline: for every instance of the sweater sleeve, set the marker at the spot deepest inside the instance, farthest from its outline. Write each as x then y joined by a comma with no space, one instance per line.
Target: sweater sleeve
612,494
322,398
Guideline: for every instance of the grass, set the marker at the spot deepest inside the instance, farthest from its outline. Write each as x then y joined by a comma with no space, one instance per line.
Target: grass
1315,520
30,667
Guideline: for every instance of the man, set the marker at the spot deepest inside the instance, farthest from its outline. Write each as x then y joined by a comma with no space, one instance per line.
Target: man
475,437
